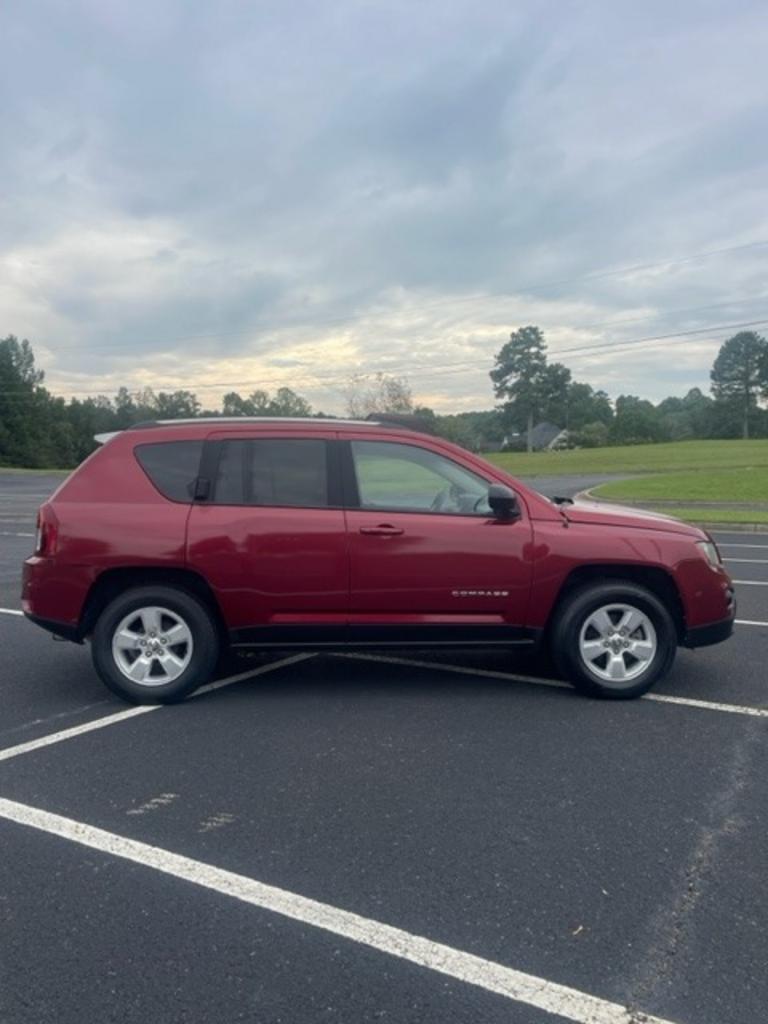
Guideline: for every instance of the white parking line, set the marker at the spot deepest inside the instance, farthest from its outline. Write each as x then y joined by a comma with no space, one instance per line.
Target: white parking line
517,986
143,709
730,544
707,705
75,730
750,622
11,611
661,698
5,533
484,672
751,583
749,561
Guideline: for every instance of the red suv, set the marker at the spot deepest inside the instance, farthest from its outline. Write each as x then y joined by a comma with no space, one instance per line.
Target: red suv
175,539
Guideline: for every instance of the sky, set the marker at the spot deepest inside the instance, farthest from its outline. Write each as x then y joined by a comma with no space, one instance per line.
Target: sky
237,195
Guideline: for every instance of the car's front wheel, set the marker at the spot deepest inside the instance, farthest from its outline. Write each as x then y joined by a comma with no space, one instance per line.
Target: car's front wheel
614,639
154,645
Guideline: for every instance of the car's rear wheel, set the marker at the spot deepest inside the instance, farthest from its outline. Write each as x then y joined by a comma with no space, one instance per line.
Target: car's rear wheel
155,645
614,639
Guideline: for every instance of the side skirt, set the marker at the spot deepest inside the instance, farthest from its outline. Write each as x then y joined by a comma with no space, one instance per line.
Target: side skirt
345,637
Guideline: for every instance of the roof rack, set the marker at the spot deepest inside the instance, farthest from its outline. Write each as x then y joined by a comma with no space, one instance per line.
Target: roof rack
390,419
149,424
401,421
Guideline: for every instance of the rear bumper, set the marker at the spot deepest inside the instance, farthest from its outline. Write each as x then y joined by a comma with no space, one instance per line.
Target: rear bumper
52,595
61,629
713,633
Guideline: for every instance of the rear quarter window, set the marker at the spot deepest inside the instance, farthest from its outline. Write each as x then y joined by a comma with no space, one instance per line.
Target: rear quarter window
172,466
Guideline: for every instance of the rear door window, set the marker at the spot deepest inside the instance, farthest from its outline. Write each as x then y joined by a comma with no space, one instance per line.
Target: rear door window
172,466
272,471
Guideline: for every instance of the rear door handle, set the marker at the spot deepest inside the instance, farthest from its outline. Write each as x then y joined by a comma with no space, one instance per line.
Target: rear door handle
384,530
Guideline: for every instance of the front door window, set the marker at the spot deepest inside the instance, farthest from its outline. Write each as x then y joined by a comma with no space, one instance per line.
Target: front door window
404,477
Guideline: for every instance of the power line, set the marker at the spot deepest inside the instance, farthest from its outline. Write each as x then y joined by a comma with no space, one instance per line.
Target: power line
661,316
441,370
595,325
661,337
265,328
653,266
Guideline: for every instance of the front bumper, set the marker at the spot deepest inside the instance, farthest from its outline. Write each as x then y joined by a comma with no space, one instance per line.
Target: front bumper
713,633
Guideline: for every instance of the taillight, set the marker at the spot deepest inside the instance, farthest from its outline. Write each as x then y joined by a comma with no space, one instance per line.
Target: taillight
47,533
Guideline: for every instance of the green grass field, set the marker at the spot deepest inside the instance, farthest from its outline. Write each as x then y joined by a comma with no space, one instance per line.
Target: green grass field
747,484
17,469
683,473
679,456
712,515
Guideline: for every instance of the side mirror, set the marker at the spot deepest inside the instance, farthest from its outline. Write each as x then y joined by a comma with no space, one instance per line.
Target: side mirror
503,502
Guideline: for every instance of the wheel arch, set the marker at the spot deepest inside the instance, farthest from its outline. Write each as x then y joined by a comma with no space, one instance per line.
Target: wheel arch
112,582
660,582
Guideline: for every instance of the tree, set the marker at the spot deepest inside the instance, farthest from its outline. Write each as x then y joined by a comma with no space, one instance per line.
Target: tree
687,417
586,406
259,403
591,435
380,393
18,359
287,403
556,384
177,405
86,418
234,405
637,422
27,434
531,387
478,431
740,375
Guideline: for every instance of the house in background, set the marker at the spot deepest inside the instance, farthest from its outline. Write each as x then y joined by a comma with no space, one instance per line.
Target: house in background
544,437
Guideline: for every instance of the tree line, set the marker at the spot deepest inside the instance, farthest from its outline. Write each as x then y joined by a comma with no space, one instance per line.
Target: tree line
39,429
532,389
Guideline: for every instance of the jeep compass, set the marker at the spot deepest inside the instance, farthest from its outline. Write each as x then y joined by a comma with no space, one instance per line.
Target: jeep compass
174,540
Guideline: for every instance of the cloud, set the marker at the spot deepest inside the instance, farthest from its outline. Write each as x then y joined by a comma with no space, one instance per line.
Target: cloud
291,193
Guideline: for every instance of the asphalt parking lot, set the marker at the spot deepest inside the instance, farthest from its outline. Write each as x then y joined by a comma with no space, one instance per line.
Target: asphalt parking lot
370,838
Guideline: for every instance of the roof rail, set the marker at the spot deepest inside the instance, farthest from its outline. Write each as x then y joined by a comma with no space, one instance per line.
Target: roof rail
402,421
148,424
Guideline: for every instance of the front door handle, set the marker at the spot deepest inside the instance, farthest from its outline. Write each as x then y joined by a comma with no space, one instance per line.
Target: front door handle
384,530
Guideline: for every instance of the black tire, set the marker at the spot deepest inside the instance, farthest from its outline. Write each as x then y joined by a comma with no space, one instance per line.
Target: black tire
199,656
574,616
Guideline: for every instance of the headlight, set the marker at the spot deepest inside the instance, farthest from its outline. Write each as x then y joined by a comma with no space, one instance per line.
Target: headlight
708,548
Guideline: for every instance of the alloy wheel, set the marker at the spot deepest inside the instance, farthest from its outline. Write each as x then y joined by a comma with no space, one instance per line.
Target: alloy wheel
617,643
152,646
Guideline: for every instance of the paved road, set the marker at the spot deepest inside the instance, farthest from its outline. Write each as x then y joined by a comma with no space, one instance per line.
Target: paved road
568,486
618,849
